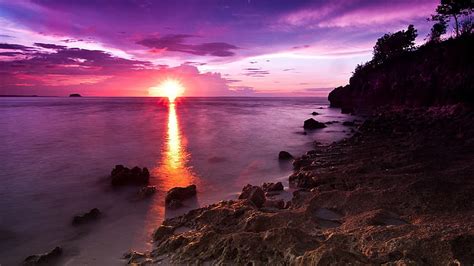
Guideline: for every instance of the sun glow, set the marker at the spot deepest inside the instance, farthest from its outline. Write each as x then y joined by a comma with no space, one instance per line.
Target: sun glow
170,88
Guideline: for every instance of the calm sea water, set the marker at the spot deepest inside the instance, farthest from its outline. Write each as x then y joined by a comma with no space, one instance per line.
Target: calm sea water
56,154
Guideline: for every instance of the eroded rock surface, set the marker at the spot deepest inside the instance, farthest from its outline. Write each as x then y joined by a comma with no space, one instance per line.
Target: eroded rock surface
176,195
400,192
87,217
44,259
121,175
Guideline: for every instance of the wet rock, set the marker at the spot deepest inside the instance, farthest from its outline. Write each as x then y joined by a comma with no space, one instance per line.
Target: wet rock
315,113
302,162
347,110
121,175
90,216
284,155
147,191
348,123
44,259
268,187
302,180
174,204
313,124
276,204
254,194
176,195
162,232
137,258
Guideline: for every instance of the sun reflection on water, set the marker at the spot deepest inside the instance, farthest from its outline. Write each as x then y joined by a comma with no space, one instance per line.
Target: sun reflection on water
171,171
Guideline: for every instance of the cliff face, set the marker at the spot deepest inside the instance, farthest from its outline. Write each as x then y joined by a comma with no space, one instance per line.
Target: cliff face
434,74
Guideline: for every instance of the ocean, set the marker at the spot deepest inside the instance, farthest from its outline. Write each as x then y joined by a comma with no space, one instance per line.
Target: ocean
57,153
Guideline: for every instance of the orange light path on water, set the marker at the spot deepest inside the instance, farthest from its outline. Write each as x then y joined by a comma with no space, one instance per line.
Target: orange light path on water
172,171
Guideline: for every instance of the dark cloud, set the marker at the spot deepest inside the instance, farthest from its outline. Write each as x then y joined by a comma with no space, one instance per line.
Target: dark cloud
177,43
50,46
10,53
255,72
10,46
288,69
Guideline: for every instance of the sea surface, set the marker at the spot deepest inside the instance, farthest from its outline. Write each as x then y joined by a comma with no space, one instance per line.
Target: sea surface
56,155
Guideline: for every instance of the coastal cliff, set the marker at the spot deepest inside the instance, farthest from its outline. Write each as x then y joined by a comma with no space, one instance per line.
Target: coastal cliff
434,74
399,191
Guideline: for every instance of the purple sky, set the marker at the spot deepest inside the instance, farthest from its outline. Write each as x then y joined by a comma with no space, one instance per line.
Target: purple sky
215,48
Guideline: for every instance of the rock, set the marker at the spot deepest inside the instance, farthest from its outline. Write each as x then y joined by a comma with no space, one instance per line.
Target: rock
313,124
267,187
46,258
277,204
284,155
254,194
162,232
348,123
315,113
147,191
92,215
174,204
136,258
75,95
347,110
176,195
121,175
302,180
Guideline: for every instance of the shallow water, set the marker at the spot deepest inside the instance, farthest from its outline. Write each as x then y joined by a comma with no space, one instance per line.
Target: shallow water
56,154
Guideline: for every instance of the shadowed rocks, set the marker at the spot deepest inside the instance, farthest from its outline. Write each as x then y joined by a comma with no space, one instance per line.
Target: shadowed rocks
284,155
121,176
146,192
313,124
90,216
177,195
44,259
269,187
254,194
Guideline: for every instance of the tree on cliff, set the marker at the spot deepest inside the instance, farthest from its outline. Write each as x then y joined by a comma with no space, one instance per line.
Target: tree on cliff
438,29
455,9
393,44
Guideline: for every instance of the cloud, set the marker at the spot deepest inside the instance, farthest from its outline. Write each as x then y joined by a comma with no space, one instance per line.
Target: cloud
255,72
50,46
9,46
177,43
61,70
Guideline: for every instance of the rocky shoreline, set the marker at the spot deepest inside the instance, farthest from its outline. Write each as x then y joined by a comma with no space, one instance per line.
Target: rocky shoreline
400,191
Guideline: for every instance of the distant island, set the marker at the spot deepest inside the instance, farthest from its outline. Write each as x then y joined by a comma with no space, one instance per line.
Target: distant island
75,95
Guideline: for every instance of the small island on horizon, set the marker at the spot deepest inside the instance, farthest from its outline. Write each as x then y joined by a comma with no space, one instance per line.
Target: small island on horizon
75,95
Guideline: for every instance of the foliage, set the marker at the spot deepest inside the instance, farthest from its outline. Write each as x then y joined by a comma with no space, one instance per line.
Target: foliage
438,29
455,9
393,44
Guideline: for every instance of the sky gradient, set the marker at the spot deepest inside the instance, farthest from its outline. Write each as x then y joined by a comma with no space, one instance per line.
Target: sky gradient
213,47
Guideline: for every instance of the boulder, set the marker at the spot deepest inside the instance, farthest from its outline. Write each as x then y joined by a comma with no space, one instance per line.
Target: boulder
46,258
147,191
315,113
313,124
121,175
254,194
276,204
176,195
92,215
284,155
302,180
267,187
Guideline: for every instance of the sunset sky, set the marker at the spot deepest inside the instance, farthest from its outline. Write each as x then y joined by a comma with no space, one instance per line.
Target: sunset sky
214,48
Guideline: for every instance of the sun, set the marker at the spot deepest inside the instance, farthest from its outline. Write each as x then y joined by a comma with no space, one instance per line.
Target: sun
170,88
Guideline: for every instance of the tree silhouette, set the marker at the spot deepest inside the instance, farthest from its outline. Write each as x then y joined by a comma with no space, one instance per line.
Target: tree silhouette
438,29
454,9
393,44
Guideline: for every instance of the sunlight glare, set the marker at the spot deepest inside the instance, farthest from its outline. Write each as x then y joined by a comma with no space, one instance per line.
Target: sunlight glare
170,88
